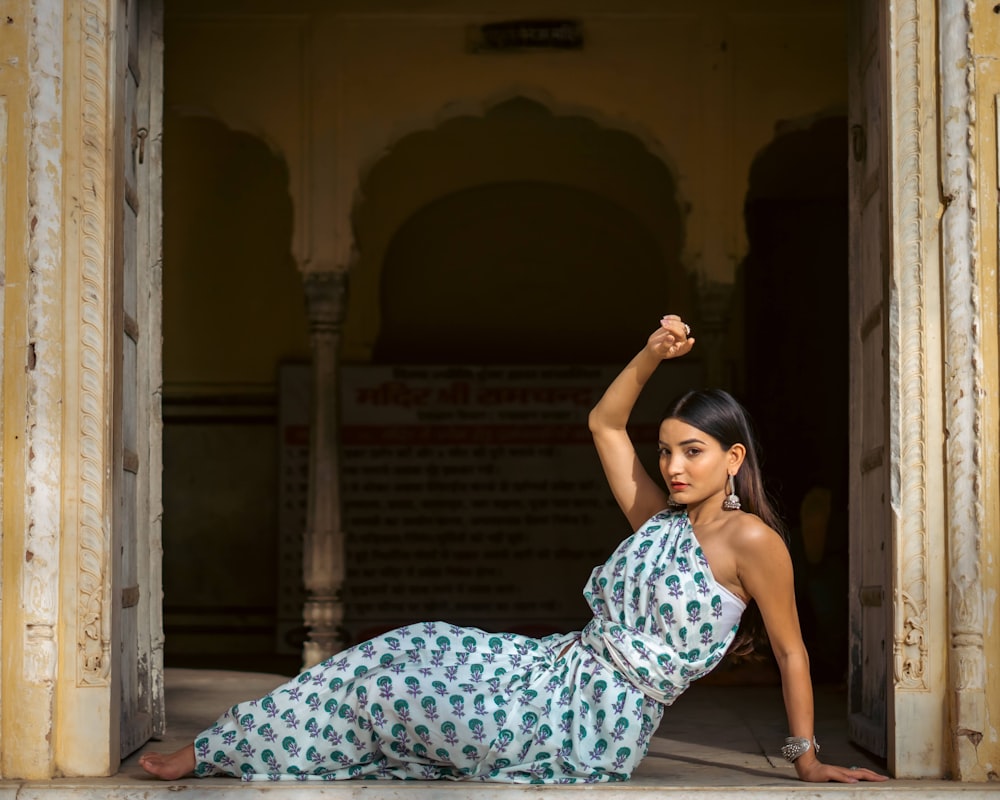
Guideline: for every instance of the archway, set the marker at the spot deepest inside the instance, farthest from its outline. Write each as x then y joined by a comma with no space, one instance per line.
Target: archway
563,184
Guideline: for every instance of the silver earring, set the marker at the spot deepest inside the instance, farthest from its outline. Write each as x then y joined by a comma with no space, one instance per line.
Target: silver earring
732,502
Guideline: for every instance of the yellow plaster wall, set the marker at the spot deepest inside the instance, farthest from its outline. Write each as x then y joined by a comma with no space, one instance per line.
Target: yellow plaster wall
24,707
986,36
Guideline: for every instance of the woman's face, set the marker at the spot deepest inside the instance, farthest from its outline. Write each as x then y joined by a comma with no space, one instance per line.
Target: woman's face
694,465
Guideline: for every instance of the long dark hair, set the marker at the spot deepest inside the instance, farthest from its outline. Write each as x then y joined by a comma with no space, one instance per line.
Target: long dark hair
721,416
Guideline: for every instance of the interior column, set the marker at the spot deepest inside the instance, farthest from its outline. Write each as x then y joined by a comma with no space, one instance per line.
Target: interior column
323,548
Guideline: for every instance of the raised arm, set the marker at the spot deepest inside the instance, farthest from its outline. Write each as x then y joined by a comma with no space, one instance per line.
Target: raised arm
638,495
765,570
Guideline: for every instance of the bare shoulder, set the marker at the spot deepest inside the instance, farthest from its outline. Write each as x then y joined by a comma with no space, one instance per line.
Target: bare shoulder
763,563
750,536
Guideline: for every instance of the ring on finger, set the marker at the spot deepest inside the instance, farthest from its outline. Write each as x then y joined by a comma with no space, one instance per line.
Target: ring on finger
687,329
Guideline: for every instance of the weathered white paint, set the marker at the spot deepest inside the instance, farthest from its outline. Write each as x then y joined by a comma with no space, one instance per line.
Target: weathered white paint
151,371
40,578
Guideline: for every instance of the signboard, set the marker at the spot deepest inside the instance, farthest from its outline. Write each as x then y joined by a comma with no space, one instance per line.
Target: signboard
474,495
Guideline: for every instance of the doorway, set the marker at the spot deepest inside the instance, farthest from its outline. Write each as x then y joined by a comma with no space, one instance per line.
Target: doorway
386,335
795,364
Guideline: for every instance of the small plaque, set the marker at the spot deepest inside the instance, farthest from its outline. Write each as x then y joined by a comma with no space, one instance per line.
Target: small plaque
527,35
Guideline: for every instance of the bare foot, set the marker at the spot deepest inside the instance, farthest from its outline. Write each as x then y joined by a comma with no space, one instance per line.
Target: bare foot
169,766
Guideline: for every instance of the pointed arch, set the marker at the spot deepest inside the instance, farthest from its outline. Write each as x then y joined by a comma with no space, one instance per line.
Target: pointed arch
520,140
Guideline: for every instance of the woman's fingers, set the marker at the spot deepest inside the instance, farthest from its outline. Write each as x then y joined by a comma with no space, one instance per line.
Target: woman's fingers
864,774
856,774
818,772
672,338
673,323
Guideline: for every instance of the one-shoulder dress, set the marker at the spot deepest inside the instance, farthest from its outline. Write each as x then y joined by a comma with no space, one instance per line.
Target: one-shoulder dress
433,700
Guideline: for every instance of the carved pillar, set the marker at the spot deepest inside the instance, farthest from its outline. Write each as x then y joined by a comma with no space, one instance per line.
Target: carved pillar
917,747
964,393
323,548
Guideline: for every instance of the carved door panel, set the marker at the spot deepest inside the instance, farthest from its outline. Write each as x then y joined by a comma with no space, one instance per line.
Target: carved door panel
136,412
870,521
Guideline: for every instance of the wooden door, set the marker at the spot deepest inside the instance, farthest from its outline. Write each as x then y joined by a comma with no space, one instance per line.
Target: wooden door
870,521
136,410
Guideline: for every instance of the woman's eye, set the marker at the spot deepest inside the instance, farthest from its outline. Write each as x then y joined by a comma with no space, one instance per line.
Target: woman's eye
662,452
693,452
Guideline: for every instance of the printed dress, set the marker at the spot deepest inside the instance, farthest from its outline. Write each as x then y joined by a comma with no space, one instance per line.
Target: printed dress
434,700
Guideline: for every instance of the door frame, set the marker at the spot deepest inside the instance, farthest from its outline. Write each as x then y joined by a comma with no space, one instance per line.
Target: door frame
935,696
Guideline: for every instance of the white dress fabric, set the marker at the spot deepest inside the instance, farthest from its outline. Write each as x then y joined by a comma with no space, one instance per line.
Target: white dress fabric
439,701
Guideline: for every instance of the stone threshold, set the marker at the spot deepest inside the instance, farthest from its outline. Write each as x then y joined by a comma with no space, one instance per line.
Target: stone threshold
717,742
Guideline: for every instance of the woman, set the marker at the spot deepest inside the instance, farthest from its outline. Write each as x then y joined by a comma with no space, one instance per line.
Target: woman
437,701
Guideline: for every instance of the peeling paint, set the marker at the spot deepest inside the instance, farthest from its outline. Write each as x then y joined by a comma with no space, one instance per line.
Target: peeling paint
973,736
40,575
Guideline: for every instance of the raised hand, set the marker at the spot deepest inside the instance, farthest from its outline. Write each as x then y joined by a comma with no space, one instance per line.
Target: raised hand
672,339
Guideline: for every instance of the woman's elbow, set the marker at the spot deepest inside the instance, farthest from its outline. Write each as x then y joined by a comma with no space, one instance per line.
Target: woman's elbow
596,421
791,655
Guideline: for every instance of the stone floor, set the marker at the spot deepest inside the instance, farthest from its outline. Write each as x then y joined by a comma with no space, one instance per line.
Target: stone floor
715,742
